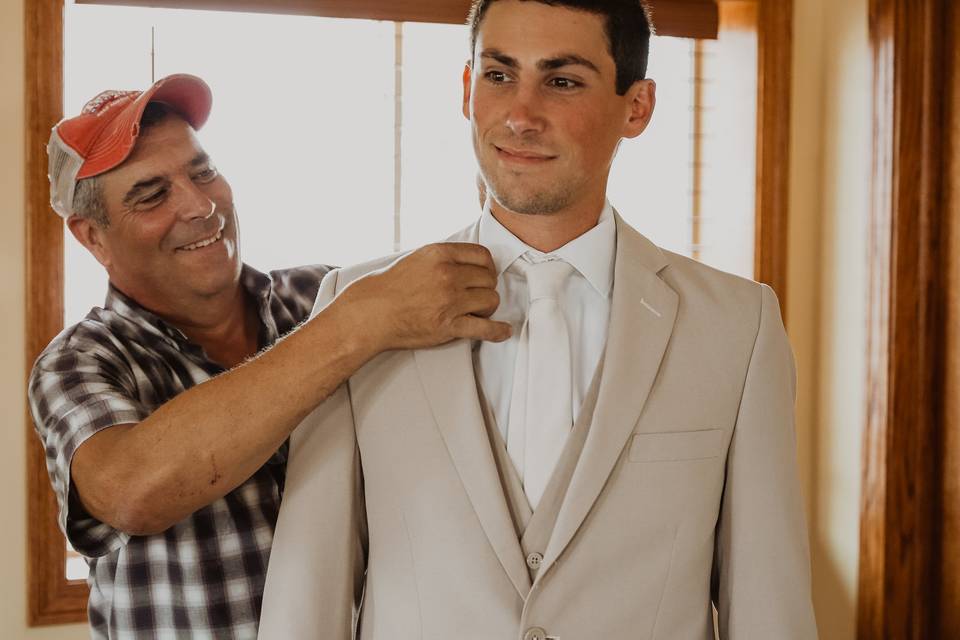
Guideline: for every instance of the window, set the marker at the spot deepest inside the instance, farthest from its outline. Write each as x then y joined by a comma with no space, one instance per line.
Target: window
320,102
343,139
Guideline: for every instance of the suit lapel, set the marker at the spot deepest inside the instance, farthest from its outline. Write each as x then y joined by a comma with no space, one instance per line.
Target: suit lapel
450,386
642,315
448,380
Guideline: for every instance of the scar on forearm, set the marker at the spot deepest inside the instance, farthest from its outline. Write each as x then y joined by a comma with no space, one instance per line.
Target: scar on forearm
215,474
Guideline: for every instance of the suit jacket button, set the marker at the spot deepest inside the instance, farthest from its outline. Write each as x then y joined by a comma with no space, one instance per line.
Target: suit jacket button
535,633
534,560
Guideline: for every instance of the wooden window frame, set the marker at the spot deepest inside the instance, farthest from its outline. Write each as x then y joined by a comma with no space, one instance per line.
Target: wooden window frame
55,600
685,18
904,557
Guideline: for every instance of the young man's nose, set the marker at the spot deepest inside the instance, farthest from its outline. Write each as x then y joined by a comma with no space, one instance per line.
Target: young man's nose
525,113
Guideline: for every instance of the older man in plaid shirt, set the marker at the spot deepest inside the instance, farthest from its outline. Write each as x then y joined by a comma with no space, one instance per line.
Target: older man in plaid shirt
164,431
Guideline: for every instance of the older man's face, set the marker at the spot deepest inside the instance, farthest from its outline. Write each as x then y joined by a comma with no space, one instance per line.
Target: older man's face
172,239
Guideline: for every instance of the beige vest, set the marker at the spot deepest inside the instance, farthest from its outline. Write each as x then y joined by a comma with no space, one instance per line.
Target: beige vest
534,528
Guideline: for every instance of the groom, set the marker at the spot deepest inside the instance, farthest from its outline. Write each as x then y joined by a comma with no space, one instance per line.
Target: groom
621,463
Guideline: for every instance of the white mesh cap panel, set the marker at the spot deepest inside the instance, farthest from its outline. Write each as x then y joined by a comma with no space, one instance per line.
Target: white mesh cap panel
63,165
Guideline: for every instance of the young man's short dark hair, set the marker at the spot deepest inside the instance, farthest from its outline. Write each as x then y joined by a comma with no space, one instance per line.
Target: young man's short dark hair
627,25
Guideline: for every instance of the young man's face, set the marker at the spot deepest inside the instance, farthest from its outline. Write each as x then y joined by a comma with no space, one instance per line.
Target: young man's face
541,98
172,236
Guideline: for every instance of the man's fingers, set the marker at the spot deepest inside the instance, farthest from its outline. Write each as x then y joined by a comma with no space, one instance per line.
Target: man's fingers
468,276
468,253
474,328
478,302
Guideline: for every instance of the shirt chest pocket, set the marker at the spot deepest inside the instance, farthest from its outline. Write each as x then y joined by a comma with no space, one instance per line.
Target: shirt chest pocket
674,446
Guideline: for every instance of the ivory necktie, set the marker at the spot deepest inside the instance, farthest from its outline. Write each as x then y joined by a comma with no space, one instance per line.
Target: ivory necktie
540,407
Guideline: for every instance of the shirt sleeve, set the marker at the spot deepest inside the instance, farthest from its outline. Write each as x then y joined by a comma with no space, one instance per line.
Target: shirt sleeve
74,394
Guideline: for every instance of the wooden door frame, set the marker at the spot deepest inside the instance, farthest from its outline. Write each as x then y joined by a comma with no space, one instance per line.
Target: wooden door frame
774,56
54,600
900,542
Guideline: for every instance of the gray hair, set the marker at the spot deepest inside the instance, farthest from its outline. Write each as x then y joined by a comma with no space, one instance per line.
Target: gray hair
88,201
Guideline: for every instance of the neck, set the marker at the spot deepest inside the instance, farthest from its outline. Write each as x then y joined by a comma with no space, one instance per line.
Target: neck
225,325
549,232
227,329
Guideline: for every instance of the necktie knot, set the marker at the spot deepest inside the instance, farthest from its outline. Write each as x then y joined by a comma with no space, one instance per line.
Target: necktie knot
545,279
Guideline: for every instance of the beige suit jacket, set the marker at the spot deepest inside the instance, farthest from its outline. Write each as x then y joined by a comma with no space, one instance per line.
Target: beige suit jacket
686,491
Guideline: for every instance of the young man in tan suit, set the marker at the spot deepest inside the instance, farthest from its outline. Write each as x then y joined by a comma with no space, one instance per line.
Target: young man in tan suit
626,459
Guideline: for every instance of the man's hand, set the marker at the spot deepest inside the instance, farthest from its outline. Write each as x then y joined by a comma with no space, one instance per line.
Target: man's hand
431,296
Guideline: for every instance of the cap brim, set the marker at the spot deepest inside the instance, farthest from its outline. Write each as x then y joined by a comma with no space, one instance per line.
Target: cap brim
187,95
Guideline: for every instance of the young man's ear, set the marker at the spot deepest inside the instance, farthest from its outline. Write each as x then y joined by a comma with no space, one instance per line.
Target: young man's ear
467,79
641,100
91,235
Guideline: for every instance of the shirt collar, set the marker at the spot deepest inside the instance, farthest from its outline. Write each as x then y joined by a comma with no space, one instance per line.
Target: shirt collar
593,254
257,284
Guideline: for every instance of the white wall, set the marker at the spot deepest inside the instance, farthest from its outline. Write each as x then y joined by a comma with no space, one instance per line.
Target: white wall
830,175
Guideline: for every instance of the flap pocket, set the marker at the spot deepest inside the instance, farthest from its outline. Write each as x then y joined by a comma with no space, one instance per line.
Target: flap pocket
676,445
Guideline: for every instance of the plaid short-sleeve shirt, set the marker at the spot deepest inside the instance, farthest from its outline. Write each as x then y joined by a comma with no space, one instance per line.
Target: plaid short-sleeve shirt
203,577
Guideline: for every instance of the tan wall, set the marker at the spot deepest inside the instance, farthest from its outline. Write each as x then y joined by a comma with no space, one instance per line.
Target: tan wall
13,438
828,287
830,169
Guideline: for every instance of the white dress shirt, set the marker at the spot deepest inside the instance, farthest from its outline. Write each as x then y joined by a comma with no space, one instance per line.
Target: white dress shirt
584,301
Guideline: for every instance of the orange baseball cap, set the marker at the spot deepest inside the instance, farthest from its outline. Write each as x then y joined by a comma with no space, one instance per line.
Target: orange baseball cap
105,132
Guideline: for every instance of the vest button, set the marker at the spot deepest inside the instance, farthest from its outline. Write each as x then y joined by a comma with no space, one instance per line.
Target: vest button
535,633
534,560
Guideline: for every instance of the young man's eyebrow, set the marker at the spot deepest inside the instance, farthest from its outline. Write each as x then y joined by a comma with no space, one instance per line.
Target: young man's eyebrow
548,64
566,60
142,186
500,57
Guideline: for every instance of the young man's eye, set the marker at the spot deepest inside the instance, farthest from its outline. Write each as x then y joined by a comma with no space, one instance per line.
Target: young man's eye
563,83
496,77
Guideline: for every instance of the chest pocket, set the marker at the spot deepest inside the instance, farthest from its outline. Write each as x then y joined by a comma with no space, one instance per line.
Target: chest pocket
674,446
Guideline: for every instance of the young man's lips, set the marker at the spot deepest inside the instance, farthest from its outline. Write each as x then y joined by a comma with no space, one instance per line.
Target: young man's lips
518,155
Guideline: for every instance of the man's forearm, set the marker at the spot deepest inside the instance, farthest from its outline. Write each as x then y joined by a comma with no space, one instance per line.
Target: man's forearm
208,440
